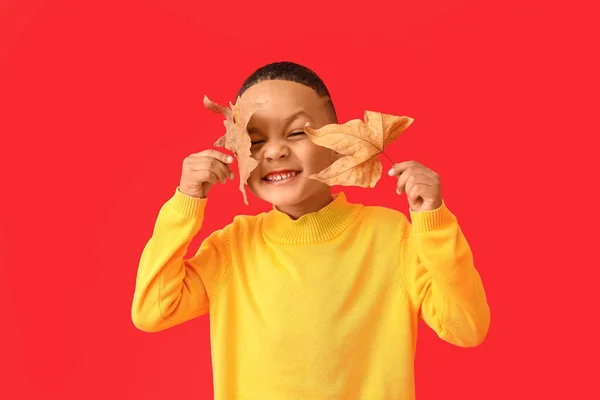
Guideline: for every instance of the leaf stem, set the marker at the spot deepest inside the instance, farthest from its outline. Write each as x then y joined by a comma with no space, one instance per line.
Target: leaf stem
388,157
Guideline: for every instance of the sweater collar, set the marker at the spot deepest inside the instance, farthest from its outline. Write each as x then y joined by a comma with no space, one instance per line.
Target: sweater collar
315,227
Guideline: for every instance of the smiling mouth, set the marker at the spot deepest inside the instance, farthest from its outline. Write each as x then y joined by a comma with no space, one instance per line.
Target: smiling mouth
281,176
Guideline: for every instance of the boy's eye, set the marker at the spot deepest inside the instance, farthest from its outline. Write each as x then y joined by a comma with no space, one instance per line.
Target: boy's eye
255,142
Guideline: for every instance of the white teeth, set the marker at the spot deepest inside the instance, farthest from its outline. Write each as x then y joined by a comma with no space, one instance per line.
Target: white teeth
281,176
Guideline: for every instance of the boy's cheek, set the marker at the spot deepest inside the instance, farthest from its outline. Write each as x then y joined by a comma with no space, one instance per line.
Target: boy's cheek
252,187
329,157
253,179
335,156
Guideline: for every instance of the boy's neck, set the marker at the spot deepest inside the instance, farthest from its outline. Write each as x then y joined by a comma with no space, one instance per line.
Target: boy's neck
311,204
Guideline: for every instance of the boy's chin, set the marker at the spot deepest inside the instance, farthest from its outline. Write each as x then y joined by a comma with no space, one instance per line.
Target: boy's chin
293,195
279,197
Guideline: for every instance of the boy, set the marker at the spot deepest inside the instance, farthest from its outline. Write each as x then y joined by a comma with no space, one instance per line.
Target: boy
319,298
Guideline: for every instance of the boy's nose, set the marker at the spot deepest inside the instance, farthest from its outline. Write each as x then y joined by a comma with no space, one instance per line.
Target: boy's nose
276,151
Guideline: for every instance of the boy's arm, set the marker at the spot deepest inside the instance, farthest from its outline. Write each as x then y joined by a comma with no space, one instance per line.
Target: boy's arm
169,289
441,280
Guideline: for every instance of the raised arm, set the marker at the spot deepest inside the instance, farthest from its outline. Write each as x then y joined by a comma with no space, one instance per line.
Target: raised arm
440,278
170,289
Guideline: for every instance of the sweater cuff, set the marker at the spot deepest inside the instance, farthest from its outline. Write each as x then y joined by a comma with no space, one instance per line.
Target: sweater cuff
188,206
425,221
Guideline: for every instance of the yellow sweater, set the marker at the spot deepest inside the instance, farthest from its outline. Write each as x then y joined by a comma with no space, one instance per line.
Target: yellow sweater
323,307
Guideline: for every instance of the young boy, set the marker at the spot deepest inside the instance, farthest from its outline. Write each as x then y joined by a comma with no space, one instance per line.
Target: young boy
318,298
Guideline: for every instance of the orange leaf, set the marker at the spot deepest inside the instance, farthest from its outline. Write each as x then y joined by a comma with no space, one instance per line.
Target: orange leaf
360,143
236,138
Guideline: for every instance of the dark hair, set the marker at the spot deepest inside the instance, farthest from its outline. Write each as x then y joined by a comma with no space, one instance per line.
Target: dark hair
289,71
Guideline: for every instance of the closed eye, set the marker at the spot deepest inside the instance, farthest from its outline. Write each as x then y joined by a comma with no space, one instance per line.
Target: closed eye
255,142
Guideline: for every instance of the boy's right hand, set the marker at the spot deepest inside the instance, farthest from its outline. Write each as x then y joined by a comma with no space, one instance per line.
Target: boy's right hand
202,170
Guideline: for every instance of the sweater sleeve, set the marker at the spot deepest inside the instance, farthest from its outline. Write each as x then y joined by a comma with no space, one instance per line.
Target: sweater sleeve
440,278
170,289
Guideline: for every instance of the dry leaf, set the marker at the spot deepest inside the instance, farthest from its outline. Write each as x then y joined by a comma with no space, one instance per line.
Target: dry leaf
360,143
236,138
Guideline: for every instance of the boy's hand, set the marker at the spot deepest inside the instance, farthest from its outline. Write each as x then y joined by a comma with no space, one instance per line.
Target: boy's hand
422,185
202,170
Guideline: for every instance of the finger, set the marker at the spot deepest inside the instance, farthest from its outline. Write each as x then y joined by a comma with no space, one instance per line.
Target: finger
415,166
224,158
415,192
205,175
221,170
403,179
409,178
399,168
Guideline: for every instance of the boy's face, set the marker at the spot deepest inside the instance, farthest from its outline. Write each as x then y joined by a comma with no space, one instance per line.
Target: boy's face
285,154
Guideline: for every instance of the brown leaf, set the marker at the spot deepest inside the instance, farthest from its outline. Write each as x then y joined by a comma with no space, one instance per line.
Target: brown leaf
236,138
360,144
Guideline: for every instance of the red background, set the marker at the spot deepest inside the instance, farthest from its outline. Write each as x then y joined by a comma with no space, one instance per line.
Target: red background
101,102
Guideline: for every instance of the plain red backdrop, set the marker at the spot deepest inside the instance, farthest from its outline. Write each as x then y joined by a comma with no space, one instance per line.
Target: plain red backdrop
101,101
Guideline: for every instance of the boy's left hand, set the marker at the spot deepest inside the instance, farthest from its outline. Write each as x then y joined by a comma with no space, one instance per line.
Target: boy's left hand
421,184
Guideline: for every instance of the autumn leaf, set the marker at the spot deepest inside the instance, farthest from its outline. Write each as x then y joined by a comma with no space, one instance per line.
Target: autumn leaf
360,143
236,138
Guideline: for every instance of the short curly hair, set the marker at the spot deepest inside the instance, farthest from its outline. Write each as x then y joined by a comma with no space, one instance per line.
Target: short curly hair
290,71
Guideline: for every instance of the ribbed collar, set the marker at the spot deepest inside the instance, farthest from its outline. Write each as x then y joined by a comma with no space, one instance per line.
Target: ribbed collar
316,227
